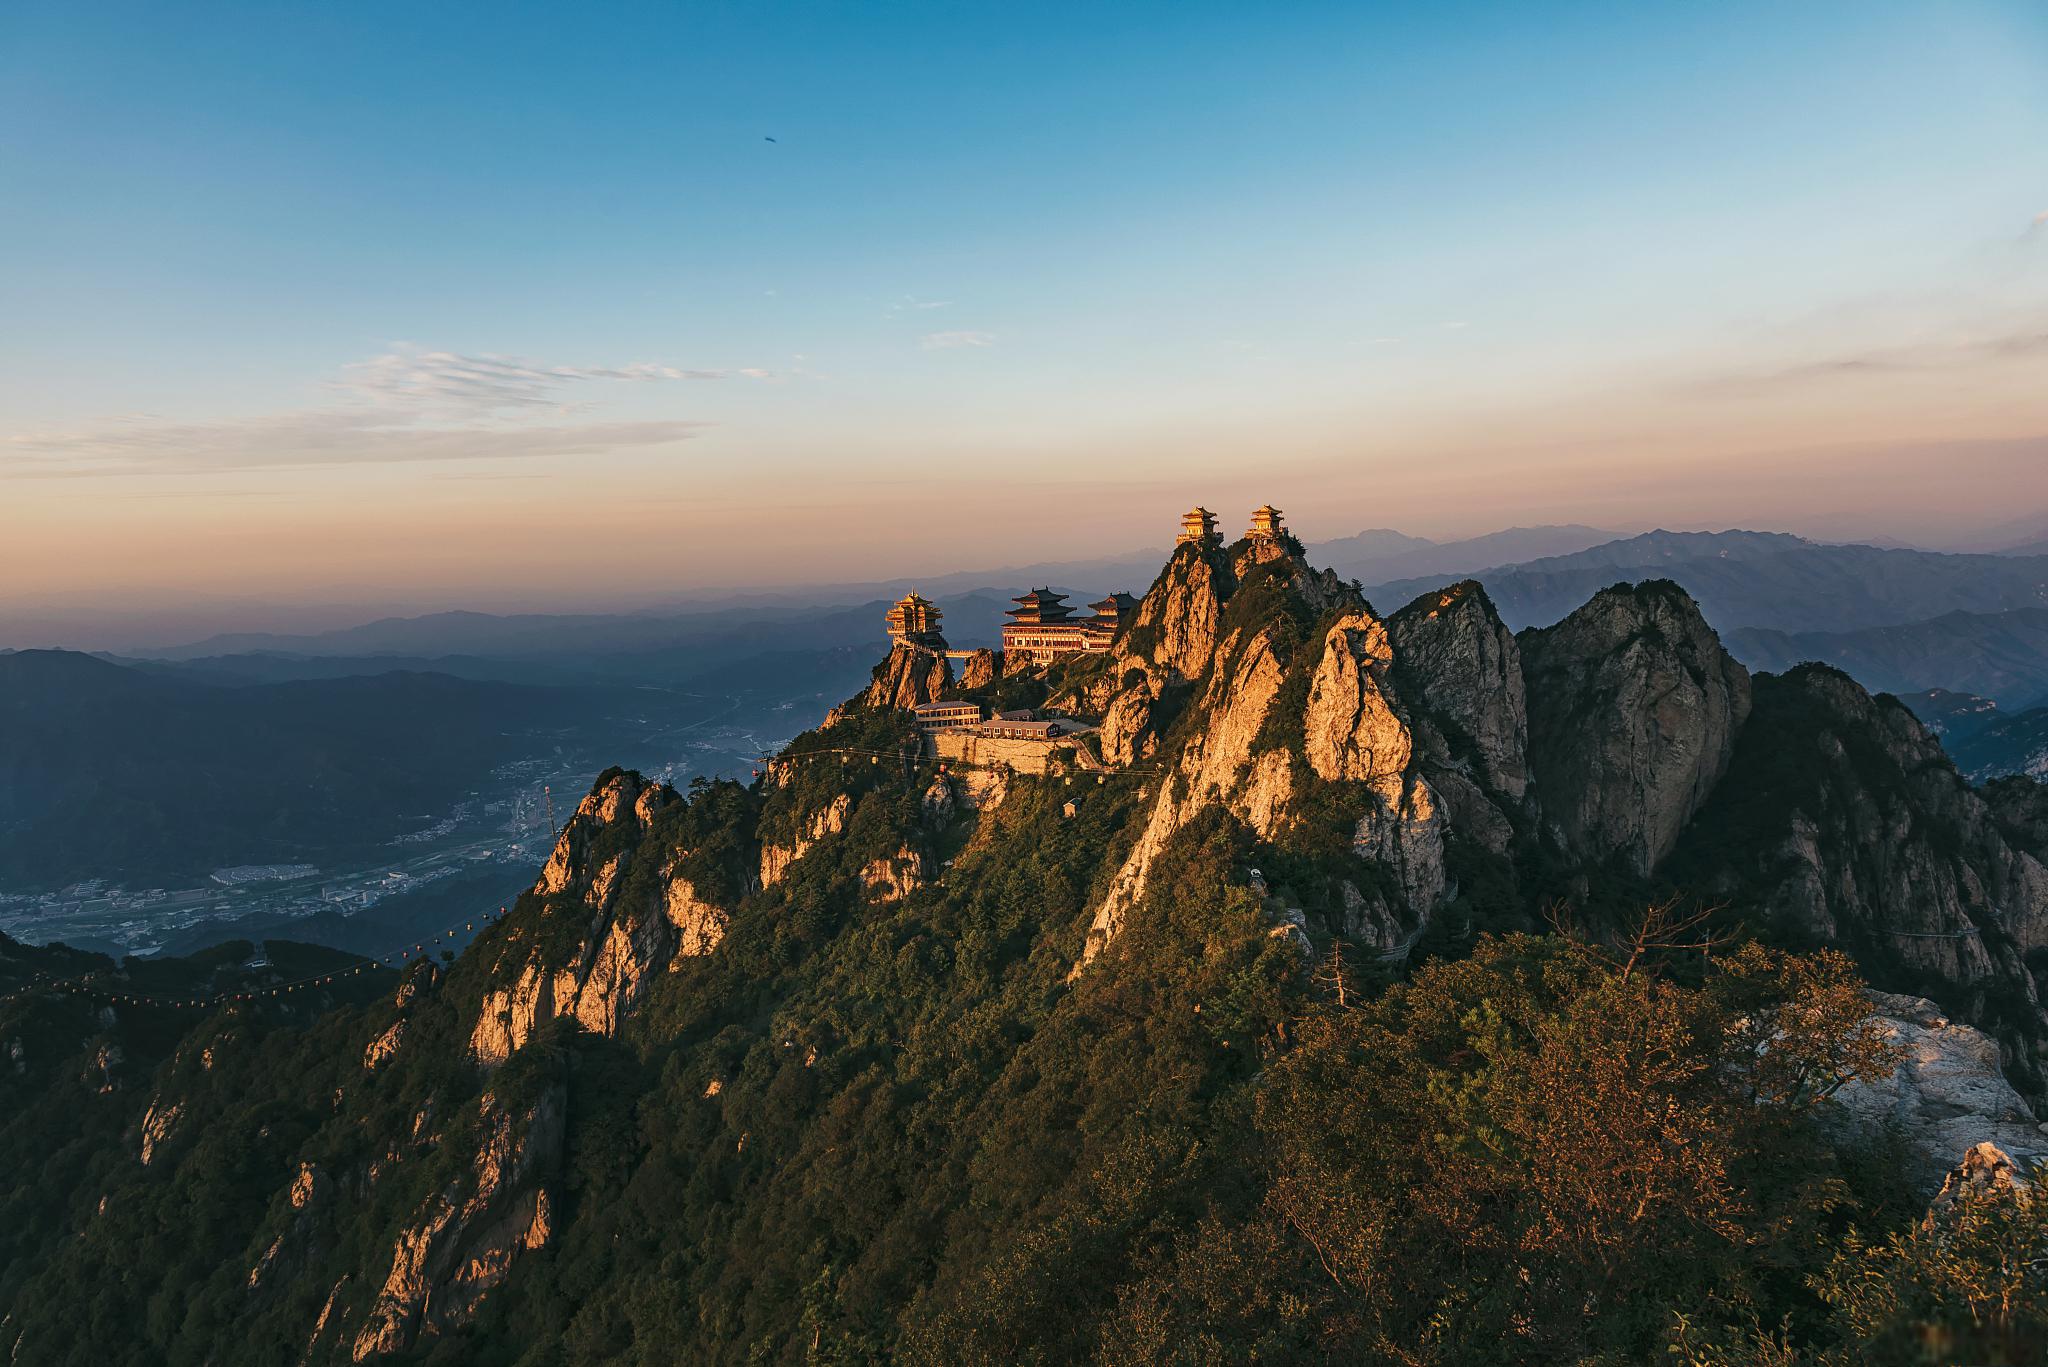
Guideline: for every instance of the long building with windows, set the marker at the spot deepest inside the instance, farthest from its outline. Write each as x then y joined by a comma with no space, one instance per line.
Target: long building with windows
1043,628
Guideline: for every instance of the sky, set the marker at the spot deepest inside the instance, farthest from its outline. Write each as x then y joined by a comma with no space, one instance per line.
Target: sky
522,305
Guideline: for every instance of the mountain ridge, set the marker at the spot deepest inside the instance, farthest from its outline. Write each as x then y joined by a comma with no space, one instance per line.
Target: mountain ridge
901,1053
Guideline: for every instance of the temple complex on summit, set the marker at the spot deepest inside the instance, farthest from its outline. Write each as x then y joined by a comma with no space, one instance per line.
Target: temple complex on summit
1043,628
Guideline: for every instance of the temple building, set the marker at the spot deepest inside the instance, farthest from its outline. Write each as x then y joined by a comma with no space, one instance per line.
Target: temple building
915,621
1266,524
1111,611
1198,528
1042,628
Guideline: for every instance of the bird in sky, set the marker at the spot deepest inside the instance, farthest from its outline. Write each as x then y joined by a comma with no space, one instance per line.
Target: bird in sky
766,139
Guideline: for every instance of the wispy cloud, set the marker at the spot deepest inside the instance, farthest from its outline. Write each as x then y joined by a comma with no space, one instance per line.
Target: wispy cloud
317,438
404,406
946,341
411,376
2006,346
911,304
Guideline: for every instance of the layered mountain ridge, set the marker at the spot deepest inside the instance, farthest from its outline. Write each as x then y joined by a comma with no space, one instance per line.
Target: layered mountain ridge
809,1063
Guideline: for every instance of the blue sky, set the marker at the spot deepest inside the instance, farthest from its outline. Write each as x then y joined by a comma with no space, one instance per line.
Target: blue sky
476,292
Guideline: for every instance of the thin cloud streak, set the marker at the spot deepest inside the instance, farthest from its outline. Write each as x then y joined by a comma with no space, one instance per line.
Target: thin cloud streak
947,341
1895,361
320,438
409,376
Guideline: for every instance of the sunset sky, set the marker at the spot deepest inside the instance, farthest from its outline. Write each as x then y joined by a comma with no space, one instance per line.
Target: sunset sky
449,304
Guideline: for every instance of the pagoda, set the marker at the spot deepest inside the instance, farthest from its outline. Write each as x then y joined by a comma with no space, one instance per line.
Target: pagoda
1266,524
1039,608
1198,528
915,621
1111,610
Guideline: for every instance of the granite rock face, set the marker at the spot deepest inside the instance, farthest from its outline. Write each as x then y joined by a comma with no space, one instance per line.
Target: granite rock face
1947,1094
463,1241
981,669
910,675
1457,664
1175,625
1633,710
1213,767
624,940
1842,821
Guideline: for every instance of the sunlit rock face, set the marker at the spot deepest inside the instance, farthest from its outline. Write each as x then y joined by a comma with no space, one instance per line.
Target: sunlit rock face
1126,732
981,669
826,821
463,1241
1175,625
623,940
1946,1096
912,674
1633,711
1350,730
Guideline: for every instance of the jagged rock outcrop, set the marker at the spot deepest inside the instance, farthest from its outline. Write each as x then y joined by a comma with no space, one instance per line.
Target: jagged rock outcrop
1633,710
1174,628
463,1242
310,1191
1946,1094
1842,821
896,876
1212,768
157,1124
1126,733
912,674
1986,1173
1351,732
1457,664
384,1048
981,669
625,940
827,820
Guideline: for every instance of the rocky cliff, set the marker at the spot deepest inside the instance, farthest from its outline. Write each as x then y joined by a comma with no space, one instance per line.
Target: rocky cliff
1633,712
636,903
903,1042
1842,822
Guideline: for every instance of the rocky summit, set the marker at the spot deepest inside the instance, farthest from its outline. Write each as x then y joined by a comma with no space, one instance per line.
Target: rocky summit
1293,980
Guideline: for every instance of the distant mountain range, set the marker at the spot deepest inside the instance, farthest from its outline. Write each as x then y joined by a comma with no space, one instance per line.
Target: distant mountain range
1998,655
117,773
1985,743
1382,554
1761,580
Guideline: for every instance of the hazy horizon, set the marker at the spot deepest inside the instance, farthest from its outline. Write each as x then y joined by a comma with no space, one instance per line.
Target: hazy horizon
392,308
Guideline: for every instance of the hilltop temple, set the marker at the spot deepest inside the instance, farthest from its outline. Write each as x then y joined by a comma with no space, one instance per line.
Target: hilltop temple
915,621
1043,628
